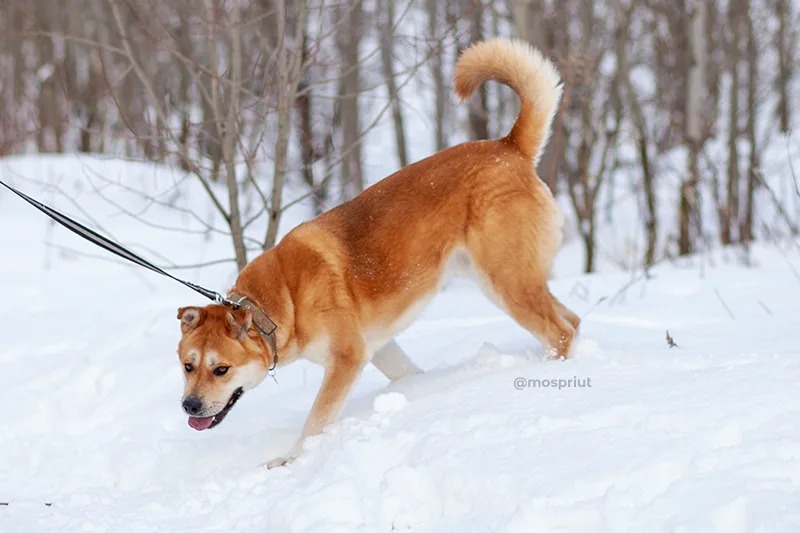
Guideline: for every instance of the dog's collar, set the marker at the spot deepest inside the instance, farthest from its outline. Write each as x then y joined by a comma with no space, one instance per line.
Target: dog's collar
264,324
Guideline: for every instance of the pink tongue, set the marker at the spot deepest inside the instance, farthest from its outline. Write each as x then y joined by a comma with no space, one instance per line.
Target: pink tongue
200,423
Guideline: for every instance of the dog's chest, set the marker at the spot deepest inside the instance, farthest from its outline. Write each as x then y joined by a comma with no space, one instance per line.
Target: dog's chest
318,351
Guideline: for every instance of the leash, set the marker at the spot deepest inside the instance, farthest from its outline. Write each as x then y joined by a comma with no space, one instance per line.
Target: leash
109,245
120,251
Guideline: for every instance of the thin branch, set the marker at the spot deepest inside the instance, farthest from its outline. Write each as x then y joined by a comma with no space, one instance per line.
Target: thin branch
728,309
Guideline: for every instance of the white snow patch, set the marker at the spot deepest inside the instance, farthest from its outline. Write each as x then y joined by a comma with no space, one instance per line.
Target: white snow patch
389,403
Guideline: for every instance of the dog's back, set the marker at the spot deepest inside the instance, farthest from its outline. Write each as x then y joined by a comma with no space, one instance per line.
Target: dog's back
397,240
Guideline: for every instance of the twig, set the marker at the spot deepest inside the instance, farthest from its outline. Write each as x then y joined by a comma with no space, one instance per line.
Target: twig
783,252
169,265
634,280
645,275
581,290
791,169
719,296
778,205
764,307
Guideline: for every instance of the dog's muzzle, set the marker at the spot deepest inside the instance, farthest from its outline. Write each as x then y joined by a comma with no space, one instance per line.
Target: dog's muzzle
192,405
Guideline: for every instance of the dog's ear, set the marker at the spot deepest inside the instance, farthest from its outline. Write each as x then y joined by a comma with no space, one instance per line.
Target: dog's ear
240,324
190,318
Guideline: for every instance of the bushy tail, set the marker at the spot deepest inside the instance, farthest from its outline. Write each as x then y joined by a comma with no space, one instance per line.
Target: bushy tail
528,72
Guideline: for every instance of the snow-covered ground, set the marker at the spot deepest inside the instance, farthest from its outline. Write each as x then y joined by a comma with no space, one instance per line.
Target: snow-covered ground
701,437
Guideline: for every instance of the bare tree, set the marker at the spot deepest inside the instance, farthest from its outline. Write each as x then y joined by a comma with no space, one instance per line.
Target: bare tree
689,212
472,11
228,99
624,96
729,211
313,147
529,18
435,19
590,139
387,62
289,73
349,40
534,25
754,165
785,61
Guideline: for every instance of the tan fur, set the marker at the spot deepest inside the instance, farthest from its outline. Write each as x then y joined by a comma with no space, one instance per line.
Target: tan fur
525,70
344,284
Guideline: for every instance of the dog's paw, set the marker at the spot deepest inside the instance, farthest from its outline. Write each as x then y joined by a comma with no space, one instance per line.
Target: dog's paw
278,461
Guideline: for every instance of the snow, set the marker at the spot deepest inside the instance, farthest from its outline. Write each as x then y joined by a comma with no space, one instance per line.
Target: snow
701,437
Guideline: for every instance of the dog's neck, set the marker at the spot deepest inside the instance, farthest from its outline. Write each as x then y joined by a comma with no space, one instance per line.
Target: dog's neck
272,299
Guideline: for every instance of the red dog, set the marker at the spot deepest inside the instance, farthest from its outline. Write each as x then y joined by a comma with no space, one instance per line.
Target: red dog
341,286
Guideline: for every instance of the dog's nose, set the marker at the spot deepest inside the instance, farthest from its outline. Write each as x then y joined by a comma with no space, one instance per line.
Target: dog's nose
192,405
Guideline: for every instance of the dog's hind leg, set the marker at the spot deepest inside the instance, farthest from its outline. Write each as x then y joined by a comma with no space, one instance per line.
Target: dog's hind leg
393,362
534,308
567,313
512,252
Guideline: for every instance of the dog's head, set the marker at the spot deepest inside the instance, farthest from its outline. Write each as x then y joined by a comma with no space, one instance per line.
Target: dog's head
222,355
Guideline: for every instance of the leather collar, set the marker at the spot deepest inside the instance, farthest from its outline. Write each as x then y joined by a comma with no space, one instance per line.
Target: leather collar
266,327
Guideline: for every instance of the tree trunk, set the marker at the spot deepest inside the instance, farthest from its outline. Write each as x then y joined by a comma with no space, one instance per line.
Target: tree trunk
349,40
230,135
529,25
589,245
478,114
785,62
289,65
387,59
308,153
651,217
730,210
753,170
529,21
211,138
624,85
689,204
439,88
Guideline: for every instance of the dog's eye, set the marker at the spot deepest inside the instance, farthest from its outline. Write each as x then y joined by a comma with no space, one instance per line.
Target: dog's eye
221,370
188,367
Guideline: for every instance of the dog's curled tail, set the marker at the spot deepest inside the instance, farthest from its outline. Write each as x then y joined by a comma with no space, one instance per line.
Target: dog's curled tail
528,72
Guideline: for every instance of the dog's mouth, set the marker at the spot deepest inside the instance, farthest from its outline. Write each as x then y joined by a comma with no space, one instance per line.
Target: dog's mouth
207,422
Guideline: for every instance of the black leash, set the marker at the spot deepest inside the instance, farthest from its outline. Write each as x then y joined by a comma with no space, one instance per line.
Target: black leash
264,324
94,237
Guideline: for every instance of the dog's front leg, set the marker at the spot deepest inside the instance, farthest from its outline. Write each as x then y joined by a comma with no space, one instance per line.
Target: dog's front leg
341,372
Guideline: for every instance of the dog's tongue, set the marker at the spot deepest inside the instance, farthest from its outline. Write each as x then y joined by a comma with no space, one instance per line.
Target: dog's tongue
200,423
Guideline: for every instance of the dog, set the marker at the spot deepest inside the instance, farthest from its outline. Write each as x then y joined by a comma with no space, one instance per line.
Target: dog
338,289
